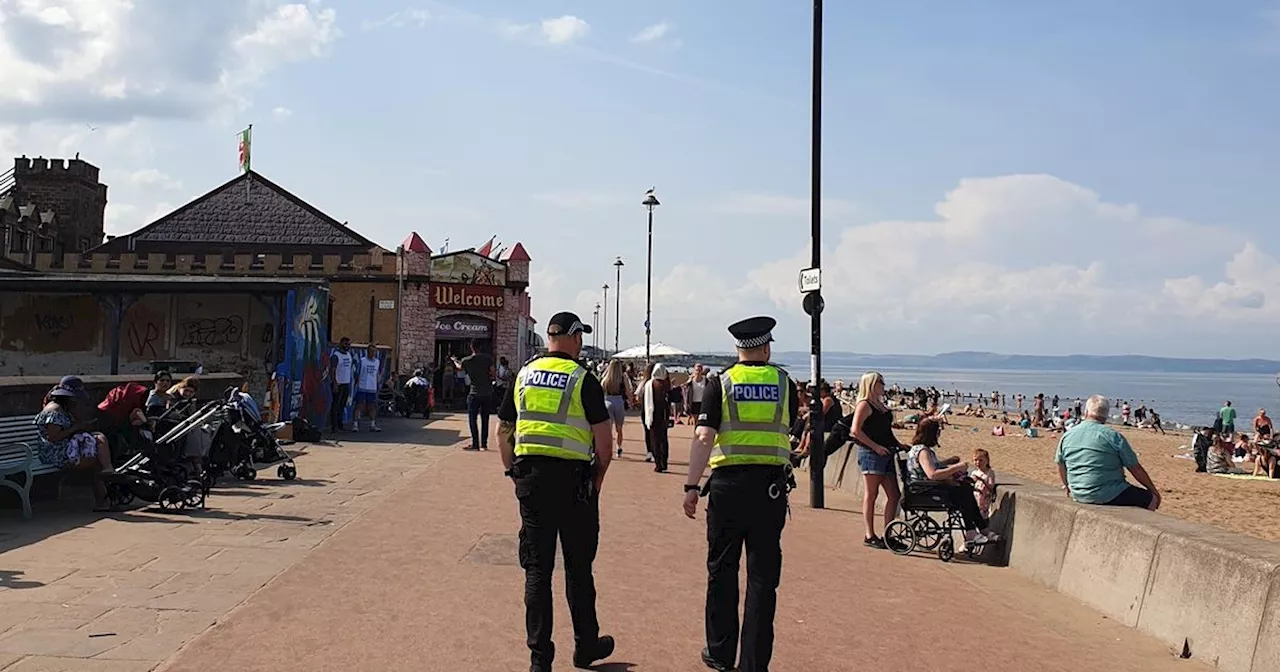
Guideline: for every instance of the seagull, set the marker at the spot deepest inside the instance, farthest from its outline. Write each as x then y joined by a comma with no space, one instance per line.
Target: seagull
92,128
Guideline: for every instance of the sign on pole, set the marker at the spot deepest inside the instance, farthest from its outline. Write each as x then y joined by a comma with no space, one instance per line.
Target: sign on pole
810,280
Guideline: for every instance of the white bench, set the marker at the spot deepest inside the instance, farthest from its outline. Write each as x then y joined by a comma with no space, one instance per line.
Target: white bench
18,441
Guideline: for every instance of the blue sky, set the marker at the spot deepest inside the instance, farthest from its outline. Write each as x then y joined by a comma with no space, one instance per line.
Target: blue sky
1018,177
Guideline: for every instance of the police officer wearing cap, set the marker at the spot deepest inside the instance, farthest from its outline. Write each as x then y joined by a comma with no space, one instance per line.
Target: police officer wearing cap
556,434
742,431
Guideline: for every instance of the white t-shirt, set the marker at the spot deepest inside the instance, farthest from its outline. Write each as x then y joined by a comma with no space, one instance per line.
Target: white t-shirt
369,368
342,370
696,389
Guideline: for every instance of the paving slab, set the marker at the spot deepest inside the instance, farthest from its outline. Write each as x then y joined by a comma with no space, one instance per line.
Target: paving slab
427,580
122,592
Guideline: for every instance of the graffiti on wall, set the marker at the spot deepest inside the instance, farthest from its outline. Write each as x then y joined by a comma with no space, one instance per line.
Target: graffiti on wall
144,333
303,366
51,323
211,332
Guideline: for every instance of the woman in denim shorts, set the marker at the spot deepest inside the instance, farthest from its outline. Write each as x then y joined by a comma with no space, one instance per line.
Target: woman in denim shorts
872,433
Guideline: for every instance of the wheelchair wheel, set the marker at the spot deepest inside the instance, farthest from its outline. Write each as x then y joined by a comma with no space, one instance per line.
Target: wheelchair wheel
928,532
946,550
899,537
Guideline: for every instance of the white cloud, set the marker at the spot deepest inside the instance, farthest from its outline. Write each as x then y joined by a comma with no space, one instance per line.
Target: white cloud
407,18
146,178
566,29
195,58
653,34
577,200
281,113
776,205
1017,263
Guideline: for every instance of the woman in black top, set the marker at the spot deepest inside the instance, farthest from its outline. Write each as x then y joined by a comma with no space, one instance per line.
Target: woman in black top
872,431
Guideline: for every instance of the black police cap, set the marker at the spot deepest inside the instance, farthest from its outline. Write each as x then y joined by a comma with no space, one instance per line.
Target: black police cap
753,332
566,324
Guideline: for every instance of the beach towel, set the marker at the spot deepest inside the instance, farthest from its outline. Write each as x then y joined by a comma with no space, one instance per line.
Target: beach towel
1245,477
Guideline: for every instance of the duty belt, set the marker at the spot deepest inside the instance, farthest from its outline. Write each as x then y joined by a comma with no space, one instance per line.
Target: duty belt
783,485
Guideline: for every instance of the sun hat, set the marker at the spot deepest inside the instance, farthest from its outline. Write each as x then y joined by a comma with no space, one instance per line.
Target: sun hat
70,386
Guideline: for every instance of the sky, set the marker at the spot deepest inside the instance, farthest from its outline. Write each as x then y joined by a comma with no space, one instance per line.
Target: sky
1038,177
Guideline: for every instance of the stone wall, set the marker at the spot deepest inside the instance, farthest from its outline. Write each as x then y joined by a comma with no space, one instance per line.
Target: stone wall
61,334
72,190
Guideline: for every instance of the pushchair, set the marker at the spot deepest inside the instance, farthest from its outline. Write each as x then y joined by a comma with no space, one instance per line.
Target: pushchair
919,529
158,471
242,444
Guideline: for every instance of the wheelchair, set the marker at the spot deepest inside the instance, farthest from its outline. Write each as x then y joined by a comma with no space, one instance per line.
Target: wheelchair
918,529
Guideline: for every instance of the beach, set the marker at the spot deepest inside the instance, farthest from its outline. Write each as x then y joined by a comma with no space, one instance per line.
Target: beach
1236,505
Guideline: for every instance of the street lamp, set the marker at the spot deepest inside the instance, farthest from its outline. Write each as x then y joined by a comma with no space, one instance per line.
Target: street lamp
813,303
617,304
650,202
604,321
595,328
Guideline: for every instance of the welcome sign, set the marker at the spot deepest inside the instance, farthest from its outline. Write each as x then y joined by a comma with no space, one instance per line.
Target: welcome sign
470,297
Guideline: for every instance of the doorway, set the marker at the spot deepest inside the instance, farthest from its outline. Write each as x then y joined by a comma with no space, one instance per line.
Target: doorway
454,336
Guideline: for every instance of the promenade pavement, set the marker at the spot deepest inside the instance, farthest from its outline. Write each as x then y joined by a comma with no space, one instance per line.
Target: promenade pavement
122,592
425,578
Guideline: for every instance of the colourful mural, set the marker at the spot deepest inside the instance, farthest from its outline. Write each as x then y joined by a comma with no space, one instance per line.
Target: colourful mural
468,268
306,352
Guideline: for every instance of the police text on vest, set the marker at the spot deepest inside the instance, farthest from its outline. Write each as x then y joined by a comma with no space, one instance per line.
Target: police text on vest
756,392
549,379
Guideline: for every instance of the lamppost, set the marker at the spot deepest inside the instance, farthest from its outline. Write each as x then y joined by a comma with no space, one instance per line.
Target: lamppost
595,328
813,302
617,304
650,202
604,321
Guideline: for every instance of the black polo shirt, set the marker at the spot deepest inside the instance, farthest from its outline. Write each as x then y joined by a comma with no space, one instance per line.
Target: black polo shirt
712,409
592,398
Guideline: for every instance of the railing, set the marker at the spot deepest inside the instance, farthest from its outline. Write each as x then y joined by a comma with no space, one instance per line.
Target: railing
7,180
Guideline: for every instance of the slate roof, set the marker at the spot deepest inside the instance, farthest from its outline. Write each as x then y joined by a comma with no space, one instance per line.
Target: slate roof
226,218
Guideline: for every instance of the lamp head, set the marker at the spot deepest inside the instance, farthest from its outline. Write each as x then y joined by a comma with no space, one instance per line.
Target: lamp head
650,200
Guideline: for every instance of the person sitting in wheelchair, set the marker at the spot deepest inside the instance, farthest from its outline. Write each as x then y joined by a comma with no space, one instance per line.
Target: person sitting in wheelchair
926,471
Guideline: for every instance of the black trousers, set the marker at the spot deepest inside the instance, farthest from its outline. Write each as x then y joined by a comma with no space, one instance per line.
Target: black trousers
341,395
741,513
553,505
658,443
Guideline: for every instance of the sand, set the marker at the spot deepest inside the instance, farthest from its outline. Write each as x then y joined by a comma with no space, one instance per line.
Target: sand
1236,505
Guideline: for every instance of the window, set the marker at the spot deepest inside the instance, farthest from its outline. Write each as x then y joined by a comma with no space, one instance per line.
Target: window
46,244
19,240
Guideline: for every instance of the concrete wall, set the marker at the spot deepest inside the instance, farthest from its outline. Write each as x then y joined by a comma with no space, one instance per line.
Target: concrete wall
1183,583
60,334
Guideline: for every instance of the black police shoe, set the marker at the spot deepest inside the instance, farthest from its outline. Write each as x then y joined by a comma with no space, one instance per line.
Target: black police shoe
586,658
714,664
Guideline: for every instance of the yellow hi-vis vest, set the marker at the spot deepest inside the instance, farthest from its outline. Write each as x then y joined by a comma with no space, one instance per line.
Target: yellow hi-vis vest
754,419
549,416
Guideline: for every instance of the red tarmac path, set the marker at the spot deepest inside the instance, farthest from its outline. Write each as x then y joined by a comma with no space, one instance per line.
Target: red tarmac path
427,580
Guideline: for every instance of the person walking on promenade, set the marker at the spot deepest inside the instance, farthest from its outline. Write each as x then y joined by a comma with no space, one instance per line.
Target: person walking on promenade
657,416
480,376
617,394
556,437
341,370
742,432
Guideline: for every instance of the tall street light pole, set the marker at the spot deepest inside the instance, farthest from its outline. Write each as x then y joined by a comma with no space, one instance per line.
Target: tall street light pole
650,202
595,328
604,321
617,304
817,456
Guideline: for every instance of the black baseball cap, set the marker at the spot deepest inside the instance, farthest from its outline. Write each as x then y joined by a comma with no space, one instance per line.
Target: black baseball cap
566,324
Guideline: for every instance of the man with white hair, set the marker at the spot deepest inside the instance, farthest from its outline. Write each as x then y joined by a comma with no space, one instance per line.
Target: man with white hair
1093,457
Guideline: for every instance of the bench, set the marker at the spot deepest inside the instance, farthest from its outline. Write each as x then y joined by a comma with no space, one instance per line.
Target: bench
18,439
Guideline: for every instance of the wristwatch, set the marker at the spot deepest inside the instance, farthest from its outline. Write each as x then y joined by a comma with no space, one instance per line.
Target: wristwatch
692,488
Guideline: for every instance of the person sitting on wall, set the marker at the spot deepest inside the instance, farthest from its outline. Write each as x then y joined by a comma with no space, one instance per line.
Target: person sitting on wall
1093,457
67,441
158,398
197,442
120,414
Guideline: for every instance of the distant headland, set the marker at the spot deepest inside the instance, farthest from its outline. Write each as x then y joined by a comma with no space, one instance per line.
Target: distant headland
993,361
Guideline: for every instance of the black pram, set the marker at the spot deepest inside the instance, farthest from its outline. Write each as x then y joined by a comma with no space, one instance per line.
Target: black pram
159,472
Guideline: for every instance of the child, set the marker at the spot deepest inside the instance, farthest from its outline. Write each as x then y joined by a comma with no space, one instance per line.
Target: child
984,480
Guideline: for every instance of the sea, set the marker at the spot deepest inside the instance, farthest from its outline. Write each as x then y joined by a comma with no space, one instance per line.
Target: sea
1185,398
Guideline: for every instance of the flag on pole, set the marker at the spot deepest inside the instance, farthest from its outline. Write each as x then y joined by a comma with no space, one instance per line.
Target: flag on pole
486,248
246,142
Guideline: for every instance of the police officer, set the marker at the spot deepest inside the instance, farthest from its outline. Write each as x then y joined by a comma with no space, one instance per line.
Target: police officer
555,432
746,414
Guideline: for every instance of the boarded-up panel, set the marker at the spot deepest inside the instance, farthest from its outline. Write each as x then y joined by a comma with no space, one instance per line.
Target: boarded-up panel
40,323
144,332
212,322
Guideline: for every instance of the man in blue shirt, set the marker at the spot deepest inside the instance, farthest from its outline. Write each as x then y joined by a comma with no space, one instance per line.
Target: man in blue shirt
1093,457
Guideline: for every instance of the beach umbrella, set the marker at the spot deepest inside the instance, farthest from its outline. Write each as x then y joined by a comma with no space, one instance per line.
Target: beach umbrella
656,350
